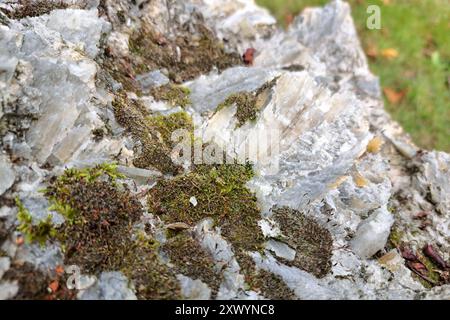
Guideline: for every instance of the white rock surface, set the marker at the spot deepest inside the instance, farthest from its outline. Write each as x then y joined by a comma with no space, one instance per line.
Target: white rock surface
7,175
325,107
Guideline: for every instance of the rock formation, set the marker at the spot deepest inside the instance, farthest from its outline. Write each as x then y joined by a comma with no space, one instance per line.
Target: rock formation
335,203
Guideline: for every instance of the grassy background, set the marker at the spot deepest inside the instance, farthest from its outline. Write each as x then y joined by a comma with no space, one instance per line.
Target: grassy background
419,30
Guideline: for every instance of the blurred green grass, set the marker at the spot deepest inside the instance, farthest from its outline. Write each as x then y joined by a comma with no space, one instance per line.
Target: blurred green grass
420,31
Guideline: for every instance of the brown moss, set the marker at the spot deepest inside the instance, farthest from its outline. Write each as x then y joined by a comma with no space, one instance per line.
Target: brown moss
151,277
34,284
199,52
191,260
188,55
175,95
221,194
102,216
153,152
28,8
268,284
98,236
312,243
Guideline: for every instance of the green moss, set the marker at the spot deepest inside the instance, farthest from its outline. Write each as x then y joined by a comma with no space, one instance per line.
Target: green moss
433,273
312,243
153,152
248,103
245,104
166,125
221,195
40,232
151,277
175,95
100,234
63,209
191,260
395,237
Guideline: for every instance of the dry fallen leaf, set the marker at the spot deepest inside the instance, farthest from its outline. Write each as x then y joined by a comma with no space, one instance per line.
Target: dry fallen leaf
178,226
20,240
54,286
59,270
371,51
289,18
389,53
248,56
394,96
386,2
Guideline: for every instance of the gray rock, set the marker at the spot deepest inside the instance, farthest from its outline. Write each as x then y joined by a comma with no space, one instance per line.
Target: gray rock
323,110
8,290
193,289
281,250
152,79
373,233
7,175
110,286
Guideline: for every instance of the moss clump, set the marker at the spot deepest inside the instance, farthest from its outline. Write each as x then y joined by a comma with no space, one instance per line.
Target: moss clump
191,260
395,237
312,242
268,284
185,57
40,232
166,125
246,106
101,216
175,95
27,8
221,194
34,284
151,277
153,152
198,53
99,236
248,103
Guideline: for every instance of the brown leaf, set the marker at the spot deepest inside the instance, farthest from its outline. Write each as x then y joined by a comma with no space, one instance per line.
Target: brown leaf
394,96
59,270
289,18
54,286
431,253
408,254
178,226
421,215
371,51
248,56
